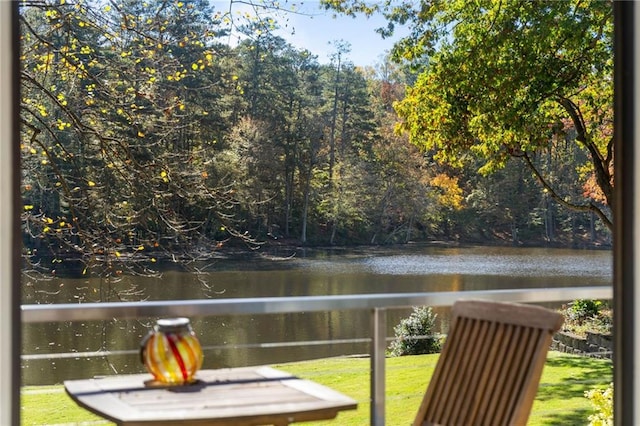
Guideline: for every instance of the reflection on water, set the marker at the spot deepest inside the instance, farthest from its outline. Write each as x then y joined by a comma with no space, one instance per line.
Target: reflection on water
508,265
320,273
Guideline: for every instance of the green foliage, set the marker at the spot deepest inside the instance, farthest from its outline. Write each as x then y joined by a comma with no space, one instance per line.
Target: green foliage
147,137
583,309
415,334
115,135
582,316
602,402
190,142
510,79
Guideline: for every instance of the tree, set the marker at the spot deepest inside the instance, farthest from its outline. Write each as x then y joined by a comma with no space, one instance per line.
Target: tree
504,79
396,194
342,48
115,148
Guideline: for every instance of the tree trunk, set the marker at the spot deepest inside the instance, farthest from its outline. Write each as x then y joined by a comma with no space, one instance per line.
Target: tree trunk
305,208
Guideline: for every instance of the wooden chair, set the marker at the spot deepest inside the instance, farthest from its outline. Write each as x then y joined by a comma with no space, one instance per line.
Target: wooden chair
490,366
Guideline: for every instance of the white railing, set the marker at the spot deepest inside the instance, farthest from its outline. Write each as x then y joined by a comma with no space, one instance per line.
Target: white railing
377,304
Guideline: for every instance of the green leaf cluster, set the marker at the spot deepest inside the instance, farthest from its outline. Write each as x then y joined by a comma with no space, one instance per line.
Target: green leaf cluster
505,79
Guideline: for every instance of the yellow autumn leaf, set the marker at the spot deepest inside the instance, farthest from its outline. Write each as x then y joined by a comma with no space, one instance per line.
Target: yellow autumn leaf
28,207
91,183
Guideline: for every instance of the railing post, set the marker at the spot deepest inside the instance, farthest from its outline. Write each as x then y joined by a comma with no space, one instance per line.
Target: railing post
378,348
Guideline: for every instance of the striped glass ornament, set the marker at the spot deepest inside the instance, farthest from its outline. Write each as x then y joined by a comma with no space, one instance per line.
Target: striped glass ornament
171,351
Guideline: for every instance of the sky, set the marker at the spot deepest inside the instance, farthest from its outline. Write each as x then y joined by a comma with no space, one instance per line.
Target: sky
317,28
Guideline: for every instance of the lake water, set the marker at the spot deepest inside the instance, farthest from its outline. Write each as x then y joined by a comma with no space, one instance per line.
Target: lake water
228,340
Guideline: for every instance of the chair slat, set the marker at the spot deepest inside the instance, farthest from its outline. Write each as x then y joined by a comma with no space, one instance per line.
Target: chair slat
513,361
481,394
489,371
462,372
462,407
452,381
500,369
527,346
426,412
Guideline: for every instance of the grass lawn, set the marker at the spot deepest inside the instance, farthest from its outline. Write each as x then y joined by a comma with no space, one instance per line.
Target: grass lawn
560,398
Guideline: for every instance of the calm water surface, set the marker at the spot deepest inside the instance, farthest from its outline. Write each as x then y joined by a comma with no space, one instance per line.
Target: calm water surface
228,341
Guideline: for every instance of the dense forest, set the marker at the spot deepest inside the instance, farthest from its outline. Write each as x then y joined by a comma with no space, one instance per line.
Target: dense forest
146,135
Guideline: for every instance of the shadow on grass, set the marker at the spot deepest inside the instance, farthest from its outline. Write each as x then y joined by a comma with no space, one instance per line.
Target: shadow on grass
570,377
567,378
574,417
574,361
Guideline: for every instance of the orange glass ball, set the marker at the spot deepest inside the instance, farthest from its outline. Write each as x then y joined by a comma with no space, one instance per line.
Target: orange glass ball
171,351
